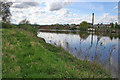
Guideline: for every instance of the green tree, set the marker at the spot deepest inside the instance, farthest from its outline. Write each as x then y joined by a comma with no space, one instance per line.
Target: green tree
73,28
5,11
84,25
57,25
101,23
25,21
116,25
112,25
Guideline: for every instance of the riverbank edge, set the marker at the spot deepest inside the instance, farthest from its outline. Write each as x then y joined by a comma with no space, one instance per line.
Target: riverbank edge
70,58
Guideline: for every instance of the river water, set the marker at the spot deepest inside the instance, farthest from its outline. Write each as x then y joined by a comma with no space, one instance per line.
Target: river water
100,48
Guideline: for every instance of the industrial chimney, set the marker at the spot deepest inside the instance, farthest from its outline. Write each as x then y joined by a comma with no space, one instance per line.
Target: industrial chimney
119,12
92,18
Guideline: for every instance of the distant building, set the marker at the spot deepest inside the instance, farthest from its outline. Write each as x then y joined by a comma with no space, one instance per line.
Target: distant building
77,27
72,25
102,26
91,25
108,25
91,29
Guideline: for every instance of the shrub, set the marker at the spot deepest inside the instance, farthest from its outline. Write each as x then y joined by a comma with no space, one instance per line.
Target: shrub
84,26
8,25
28,27
73,28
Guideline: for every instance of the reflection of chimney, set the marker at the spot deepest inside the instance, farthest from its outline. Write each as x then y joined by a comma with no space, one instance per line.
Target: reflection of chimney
92,18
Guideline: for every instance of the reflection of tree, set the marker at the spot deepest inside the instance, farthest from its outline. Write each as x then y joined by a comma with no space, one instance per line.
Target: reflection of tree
83,35
96,57
111,37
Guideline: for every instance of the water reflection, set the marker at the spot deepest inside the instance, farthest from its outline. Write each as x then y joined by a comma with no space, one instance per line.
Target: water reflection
95,47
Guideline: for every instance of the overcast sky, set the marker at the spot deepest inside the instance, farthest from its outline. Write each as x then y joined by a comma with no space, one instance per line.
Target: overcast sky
63,12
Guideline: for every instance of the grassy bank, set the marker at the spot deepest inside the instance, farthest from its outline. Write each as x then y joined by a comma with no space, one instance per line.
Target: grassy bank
26,56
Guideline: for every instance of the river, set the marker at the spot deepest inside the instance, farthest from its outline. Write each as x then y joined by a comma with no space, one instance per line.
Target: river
100,48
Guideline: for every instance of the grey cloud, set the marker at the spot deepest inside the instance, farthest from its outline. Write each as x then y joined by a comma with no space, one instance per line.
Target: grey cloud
54,6
26,4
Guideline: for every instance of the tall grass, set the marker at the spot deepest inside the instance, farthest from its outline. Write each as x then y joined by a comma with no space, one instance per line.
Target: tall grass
24,56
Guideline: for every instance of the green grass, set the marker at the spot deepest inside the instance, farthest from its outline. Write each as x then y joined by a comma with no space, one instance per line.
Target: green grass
27,56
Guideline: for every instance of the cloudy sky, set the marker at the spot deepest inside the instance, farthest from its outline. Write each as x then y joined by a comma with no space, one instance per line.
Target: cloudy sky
63,12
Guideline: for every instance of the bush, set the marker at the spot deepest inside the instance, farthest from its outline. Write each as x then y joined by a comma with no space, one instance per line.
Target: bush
28,27
73,28
8,25
84,26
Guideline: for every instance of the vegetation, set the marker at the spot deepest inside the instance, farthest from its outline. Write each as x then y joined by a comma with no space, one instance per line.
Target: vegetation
28,27
112,25
7,25
5,11
73,28
25,21
84,26
116,25
24,55
27,56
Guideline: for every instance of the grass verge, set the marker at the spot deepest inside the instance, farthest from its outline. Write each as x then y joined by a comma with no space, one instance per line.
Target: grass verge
27,56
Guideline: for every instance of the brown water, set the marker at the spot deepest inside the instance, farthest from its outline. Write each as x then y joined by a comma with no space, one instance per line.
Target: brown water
100,48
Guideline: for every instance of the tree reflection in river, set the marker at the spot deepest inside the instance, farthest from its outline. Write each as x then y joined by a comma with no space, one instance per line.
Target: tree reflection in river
96,47
83,35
